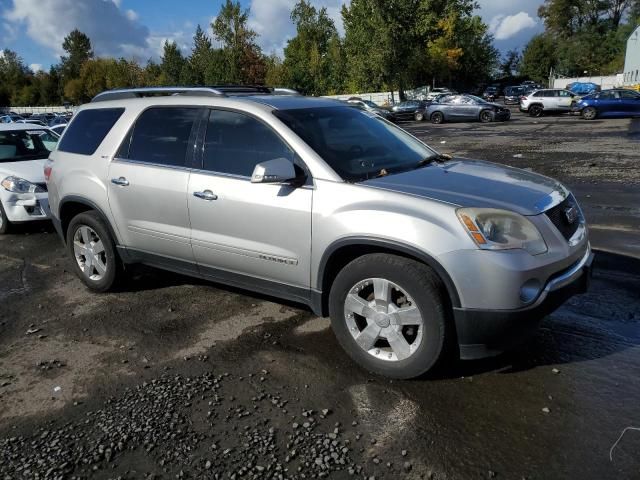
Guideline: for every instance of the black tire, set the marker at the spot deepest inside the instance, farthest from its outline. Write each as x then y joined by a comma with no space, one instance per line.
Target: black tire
114,267
425,289
418,116
486,116
437,118
536,110
589,113
5,225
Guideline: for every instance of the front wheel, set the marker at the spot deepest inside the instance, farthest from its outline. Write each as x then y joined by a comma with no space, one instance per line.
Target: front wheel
388,313
437,118
486,116
5,226
535,111
589,113
93,252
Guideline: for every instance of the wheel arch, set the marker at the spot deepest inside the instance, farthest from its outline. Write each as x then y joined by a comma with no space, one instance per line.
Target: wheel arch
343,251
71,206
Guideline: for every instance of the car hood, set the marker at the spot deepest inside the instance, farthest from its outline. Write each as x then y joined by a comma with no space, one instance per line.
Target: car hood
30,170
474,183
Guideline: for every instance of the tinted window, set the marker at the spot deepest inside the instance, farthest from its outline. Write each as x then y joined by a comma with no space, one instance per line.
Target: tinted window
161,135
235,143
88,129
19,145
629,95
356,144
607,96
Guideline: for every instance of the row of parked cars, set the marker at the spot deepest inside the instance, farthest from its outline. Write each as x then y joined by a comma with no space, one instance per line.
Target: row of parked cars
417,257
56,121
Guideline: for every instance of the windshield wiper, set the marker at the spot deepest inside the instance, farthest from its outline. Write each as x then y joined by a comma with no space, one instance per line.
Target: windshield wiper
438,157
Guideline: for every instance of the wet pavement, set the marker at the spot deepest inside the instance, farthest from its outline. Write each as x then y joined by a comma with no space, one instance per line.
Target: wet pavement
185,379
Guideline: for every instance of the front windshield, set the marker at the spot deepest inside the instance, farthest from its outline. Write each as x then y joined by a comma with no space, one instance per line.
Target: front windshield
356,144
22,145
476,99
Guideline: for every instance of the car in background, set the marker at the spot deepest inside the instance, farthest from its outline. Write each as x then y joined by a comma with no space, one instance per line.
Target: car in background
410,110
370,106
465,108
58,129
491,93
434,93
539,102
24,150
59,120
512,95
11,118
32,121
616,103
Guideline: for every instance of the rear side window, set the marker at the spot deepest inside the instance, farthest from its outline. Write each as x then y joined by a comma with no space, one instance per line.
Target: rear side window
88,129
161,136
235,143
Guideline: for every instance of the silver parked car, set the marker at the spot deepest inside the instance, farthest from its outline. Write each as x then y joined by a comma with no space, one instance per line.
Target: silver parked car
412,254
465,108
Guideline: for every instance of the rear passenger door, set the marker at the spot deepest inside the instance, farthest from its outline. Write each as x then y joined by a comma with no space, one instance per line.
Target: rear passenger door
257,230
148,186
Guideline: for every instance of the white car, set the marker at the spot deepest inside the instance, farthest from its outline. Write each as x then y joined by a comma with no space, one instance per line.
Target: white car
549,100
24,150
436,92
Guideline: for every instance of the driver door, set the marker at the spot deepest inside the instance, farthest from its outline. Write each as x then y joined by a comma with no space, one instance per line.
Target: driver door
259,230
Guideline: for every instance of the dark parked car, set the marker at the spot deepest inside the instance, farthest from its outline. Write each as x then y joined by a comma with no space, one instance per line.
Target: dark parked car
465,108
491,93
512,95
410,110
370,106
609,104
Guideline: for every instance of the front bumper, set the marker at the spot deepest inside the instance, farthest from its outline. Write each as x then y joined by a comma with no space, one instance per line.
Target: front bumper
502,115
486,333
26,207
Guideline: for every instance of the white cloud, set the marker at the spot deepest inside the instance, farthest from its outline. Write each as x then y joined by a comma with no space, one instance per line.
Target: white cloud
506,26
35,67
272,21
112,31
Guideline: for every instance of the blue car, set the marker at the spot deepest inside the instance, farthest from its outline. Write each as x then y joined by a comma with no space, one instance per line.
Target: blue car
616,103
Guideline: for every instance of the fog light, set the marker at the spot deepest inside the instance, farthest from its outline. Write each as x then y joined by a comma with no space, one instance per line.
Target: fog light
530,290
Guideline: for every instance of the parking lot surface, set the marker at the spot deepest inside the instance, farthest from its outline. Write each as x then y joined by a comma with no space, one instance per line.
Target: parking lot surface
175,377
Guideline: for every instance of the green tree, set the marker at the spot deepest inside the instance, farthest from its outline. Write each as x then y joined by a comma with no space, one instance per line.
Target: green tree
510,64
538,58
14,76
78,48
171,64
201,56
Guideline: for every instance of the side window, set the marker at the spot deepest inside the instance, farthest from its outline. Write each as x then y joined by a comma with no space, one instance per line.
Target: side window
161,135
564,93
628,95
539,94
88,129
235,143
607,96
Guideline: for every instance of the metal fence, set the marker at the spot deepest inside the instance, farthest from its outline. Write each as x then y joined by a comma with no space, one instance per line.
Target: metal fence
32,110
381,98
611,81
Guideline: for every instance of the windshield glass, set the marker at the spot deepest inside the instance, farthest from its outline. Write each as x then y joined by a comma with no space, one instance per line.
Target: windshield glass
356,144
21,145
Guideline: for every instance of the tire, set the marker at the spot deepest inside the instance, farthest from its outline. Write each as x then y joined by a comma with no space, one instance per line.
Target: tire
486,116
5,225
417,347
535,110
589,113
437,118
102,270
418,116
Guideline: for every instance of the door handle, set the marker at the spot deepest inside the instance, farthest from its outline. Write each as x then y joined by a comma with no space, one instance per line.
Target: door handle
206,195
123,182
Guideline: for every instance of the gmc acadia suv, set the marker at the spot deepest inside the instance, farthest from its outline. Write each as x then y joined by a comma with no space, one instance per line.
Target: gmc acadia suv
411,253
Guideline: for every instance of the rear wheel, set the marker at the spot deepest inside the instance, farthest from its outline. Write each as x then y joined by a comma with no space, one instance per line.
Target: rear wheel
5,226
535,110
388,313
419,116
92,249
589,113
486,116
437,118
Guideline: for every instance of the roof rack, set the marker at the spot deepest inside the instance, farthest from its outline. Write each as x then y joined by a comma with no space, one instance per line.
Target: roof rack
209,91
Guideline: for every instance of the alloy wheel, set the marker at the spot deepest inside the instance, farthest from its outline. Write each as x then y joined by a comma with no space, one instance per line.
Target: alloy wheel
383,319
90,253
589,113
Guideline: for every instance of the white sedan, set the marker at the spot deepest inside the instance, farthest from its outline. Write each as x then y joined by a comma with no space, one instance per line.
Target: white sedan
24,149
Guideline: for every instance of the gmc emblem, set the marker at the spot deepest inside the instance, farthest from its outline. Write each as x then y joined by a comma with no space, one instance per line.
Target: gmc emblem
571,214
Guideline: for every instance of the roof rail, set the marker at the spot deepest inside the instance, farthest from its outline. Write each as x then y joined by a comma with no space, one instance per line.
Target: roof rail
207,91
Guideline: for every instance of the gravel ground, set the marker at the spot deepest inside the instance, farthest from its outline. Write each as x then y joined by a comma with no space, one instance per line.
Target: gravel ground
176,378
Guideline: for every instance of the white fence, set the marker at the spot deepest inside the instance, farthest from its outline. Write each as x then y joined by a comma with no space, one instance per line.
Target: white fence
50,109
612,81
381,98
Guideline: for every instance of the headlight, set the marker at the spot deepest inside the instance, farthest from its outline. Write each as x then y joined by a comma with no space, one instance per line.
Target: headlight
494,229
20,185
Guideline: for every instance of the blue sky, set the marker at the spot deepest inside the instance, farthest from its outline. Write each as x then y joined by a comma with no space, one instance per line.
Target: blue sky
138,28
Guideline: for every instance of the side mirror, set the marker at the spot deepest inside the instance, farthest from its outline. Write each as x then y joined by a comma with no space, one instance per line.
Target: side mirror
278,170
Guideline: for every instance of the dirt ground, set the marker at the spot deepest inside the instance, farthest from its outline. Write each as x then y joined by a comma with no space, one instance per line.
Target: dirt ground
177,378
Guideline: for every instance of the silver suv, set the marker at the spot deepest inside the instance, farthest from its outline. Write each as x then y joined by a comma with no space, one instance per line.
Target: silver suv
412,254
